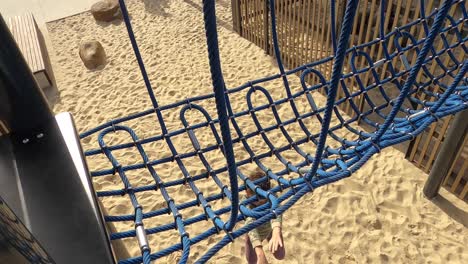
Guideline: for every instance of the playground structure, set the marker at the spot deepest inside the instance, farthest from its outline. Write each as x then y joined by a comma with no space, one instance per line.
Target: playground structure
328,164
301,23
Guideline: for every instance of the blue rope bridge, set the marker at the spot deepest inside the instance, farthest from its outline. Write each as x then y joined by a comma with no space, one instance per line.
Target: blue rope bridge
329,164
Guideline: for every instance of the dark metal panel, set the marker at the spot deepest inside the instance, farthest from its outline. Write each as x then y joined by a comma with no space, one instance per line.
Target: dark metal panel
9,176
61,209
17,245
43,174
46,184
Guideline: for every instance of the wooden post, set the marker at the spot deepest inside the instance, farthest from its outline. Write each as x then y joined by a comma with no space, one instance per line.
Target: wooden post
266,26
452,142
236,16
340,9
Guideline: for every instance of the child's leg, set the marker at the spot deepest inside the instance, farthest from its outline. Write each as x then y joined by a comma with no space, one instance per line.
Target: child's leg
250,254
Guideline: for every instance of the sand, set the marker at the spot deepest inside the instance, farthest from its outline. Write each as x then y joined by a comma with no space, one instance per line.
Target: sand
378,215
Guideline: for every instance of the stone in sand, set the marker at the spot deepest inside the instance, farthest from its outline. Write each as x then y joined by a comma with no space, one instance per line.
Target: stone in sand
106,10
92,54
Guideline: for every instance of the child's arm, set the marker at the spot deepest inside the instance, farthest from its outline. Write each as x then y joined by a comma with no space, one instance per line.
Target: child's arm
277,222
276,240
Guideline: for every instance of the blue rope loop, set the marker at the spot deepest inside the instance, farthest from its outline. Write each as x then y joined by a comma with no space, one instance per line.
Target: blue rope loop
421,101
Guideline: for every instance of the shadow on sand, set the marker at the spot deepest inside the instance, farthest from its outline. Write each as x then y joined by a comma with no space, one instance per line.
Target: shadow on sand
157,7
452,206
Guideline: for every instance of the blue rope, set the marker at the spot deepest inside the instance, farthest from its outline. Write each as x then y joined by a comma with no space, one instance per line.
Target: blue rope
219,89
295,178
347,27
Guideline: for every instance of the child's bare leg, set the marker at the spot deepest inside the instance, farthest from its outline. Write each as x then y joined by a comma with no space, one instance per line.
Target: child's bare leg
261,255
250,254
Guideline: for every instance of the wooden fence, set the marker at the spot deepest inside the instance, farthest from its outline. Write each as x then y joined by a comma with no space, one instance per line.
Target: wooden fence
304,35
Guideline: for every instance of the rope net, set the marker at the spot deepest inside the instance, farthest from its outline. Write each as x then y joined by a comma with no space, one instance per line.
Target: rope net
404,98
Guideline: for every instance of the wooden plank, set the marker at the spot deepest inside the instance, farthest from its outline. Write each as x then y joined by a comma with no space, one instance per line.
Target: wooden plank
253,16
294,42
433,126
328,44
464,192
292,35
361,34
439,140
33,41
297,33
350,82
26,33
245,20
318,51
285,30
242,18
281,38
322,37
373,47
382,34
306,39
394,25
266,26
421,35
302,33
309,30
314,42
258,18
434,64
415,146
34,37
236,16
289,32
28,42
362,61
430,135
260,23
249,20
461,173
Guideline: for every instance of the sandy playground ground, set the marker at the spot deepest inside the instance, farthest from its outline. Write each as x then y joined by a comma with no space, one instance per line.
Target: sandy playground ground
378,215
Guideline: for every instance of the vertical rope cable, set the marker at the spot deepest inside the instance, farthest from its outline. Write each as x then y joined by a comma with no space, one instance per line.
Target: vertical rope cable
347,27
209,16
136,50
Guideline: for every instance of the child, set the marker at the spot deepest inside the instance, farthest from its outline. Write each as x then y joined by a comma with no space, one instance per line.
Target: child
271,230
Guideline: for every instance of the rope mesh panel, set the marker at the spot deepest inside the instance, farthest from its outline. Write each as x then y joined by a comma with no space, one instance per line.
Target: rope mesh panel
391,118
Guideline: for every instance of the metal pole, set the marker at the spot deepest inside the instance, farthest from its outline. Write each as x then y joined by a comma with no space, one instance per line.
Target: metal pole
452,143
23,107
